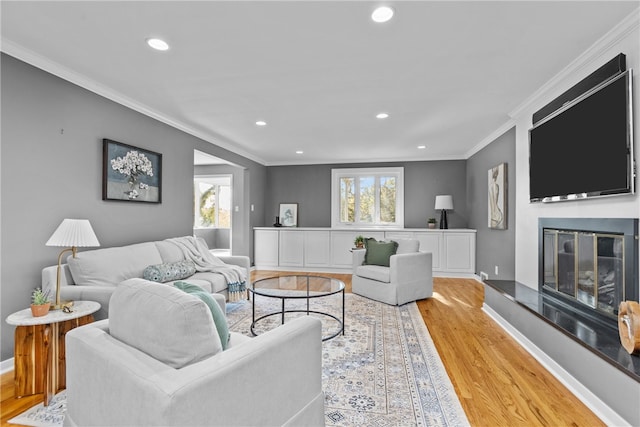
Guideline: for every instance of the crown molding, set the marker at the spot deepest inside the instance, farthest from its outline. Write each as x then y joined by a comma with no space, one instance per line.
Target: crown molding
20,52
490,138
585,60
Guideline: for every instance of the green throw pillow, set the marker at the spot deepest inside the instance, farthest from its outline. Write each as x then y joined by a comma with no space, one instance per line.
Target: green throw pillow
219,318
379,253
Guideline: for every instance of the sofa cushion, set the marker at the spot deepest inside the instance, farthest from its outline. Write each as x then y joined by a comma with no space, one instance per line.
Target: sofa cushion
169,271
378,253
407,246
163,322
374,272
213,282
219,318
110,266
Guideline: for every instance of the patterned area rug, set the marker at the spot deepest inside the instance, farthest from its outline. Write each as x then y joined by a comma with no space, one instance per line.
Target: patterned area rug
384,371
44,416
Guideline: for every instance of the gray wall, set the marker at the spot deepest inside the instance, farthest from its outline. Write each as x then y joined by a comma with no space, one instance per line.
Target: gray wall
310,187
493,247
51,169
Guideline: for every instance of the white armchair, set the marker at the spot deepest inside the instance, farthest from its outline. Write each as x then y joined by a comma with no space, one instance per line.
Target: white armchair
158,361
408,277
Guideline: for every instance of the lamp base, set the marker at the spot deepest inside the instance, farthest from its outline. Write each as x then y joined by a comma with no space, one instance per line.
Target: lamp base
62,305
443,219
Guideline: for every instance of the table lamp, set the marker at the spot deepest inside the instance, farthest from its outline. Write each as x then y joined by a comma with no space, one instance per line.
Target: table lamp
444,202
71,233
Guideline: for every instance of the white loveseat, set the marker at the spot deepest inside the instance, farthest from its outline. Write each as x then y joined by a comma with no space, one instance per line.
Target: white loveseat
93,275
158,361
409,276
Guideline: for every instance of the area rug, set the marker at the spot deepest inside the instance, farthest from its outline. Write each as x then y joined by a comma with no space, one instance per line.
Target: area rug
44,416
384,371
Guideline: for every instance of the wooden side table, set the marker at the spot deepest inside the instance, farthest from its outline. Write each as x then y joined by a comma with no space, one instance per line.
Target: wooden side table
39,351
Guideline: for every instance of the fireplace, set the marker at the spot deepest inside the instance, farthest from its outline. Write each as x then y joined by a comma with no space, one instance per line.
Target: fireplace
589,265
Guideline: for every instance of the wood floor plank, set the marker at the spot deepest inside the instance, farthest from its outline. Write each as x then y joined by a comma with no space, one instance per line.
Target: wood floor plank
497,381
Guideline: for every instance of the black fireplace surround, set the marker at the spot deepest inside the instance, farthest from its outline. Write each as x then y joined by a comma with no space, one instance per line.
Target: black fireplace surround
588,266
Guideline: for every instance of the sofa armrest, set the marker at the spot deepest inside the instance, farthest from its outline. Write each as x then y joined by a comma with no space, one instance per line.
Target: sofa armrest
49,275
111,383
239,260
357,258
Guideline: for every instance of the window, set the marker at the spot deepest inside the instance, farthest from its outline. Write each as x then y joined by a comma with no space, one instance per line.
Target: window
212,202
367,197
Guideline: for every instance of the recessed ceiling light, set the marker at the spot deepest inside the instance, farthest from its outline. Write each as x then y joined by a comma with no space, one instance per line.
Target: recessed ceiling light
382,14
158,44
261,123
422,147
382,115
299,152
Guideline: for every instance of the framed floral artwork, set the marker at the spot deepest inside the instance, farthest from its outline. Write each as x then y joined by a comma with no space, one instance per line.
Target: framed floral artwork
130,174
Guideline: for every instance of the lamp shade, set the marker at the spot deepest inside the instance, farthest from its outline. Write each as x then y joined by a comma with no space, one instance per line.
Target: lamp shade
444,202
73,232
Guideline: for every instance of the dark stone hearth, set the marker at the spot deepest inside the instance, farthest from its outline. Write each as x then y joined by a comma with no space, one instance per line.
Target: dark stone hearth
602,340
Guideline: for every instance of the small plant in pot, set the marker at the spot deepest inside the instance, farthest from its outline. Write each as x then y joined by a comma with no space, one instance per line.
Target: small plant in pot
359,242
431,223
40,303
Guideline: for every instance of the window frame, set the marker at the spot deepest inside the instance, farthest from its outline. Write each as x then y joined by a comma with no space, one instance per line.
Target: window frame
357,173
215,181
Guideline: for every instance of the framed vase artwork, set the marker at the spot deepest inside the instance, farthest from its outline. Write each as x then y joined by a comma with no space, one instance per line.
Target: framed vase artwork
289,214
130,173
497,202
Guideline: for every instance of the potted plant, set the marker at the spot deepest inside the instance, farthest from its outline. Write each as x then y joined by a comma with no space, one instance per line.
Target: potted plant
359,242
40,303
431,223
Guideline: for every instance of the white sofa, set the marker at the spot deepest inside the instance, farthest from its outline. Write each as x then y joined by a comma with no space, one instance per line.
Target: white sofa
409,276
93,275
157,361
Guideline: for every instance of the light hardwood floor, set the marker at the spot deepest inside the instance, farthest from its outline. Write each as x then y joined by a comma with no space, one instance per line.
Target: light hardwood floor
498,382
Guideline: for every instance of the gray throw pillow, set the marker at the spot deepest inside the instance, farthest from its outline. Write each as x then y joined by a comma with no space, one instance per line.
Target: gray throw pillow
219,318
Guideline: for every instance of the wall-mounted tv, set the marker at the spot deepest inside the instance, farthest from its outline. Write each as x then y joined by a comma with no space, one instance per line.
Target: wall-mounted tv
585,148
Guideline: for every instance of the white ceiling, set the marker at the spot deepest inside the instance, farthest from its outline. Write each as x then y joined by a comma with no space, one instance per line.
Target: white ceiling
447,72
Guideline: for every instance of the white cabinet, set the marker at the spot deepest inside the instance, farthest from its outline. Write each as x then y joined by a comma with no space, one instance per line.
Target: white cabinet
317,248
291,250
265,248
459,252
453,251
431,242
342,243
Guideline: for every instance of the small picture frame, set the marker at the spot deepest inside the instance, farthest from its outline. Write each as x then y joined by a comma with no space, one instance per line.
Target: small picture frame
130,174
289,214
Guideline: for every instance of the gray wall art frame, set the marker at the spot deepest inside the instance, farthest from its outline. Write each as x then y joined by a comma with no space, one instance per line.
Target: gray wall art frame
289,214
131,174
498,197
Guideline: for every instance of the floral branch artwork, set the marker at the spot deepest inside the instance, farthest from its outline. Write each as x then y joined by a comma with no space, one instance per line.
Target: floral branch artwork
130,173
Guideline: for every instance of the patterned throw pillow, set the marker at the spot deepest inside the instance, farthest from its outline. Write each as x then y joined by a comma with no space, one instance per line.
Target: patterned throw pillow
169,271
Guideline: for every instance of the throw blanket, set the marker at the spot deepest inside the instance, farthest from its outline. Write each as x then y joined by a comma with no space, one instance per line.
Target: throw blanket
198,252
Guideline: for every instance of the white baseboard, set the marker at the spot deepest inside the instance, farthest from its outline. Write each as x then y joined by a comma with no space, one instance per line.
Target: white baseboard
6,366
601,409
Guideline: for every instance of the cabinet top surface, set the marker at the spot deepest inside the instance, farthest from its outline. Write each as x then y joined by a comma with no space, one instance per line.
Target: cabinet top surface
80,308
370,230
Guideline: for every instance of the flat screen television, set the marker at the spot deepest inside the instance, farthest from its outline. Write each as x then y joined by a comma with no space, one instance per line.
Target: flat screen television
585,148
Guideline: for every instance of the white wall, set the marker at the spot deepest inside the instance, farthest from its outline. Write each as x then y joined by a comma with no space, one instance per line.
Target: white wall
624,38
